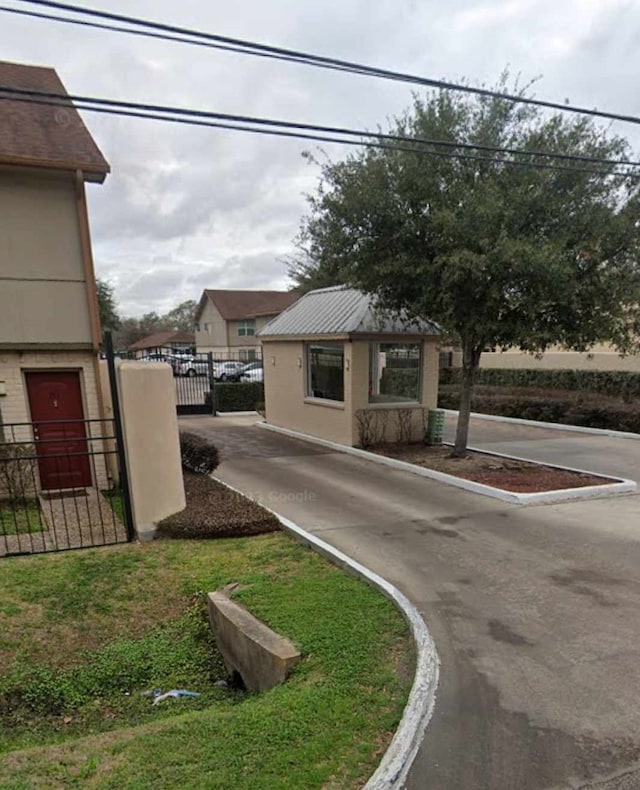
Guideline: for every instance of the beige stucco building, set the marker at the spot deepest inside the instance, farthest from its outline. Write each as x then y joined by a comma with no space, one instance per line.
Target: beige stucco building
227,323
600,357
49,320
338,369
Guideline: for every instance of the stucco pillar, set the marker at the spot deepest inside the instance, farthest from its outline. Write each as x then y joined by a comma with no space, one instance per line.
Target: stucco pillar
150,427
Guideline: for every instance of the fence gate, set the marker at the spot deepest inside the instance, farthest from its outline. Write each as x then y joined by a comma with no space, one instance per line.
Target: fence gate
43,506
193,377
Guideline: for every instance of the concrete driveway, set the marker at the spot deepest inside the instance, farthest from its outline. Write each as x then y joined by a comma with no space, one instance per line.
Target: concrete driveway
595,452
535,610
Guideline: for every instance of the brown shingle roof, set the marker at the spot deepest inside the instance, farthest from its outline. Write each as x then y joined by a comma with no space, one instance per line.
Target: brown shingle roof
158,339
42,135
234,305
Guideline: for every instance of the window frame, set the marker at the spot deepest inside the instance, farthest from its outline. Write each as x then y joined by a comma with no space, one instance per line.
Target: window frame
243,327
397,400
309,393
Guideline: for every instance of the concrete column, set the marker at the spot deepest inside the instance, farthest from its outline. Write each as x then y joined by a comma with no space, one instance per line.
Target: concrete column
150,426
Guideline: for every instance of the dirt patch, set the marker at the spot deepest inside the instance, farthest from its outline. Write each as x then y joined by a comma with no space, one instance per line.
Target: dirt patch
215,511
496,471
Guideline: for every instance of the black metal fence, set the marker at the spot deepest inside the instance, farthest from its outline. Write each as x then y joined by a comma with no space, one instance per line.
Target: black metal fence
196,375
62,486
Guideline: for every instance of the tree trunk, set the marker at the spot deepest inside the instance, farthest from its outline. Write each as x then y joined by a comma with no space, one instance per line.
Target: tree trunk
470,363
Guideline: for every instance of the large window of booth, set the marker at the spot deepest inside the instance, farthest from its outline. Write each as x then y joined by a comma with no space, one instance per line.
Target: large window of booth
395,372
325,371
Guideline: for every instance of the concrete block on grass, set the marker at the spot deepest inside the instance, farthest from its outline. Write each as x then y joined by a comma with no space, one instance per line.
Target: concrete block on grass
261,657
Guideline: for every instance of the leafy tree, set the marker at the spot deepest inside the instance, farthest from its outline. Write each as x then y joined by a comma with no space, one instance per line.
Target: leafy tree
181,318
500,255
109,318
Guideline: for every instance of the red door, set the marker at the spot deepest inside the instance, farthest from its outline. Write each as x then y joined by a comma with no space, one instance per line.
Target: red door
55,400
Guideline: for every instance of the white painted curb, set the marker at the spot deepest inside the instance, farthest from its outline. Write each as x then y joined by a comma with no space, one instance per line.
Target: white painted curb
394,767
621,486
552,426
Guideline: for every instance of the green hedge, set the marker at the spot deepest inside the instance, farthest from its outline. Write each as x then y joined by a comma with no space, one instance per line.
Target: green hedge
403,383
561,410
239,396
616,383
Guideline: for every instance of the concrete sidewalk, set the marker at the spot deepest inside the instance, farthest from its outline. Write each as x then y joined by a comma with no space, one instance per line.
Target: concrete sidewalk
535,611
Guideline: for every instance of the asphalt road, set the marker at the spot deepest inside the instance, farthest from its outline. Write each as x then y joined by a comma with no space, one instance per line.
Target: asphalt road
535,611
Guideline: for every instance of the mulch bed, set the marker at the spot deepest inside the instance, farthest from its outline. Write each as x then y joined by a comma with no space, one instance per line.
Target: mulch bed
504,473
215,511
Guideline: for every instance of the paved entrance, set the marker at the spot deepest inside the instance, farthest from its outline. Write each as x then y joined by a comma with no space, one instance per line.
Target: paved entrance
535,611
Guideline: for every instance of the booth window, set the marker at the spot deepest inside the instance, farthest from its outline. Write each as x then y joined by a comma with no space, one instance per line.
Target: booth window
325,371
395,372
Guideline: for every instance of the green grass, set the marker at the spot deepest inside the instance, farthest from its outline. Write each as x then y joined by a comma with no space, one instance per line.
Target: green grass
20,519
116,501
83,634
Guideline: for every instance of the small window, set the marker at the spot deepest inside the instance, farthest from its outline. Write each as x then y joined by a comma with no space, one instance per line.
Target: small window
207,327
325,371
197,327
246,328
395,372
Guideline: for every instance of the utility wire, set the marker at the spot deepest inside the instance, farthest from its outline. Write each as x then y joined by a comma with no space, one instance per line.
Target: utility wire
247,47
10,93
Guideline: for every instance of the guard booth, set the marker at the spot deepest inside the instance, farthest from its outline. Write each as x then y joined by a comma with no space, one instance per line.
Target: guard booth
338,368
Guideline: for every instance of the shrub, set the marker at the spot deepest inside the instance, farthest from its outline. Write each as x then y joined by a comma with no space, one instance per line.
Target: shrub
572,409
17,470
238,396
198,455
403,383
616,383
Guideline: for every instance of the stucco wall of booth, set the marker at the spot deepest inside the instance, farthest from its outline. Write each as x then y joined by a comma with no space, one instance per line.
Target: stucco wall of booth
150,426
287,405
388,425
286,402
43,291
600,358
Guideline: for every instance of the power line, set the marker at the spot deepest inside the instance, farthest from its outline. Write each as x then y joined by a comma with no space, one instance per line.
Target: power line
302,130
257,49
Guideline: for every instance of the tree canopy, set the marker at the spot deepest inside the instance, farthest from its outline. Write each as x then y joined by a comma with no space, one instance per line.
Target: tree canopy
500,252
109,318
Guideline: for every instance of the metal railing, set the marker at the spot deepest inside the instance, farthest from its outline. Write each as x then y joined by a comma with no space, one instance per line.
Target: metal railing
61,486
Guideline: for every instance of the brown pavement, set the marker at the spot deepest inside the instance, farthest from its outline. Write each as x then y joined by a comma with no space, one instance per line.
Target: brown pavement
535,611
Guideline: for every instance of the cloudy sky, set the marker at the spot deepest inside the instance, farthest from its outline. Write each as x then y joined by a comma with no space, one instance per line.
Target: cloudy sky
187,208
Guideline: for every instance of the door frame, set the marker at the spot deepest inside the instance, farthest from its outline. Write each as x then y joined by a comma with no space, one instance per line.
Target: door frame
80,371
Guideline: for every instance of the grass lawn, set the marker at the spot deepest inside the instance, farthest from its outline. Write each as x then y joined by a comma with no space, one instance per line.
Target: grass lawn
83,634
20,519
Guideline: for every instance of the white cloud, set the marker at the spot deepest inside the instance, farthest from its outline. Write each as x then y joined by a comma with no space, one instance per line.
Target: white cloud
188,208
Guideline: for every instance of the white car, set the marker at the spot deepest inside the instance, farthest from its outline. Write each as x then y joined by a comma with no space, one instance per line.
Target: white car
253,372
227,371
192,366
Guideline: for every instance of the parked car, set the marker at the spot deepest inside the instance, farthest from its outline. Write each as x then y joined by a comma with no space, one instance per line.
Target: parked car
193,366
228,371
174,360
253,372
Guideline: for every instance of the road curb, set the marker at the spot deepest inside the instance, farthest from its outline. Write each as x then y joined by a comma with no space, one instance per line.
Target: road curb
553,426
394,767
621,486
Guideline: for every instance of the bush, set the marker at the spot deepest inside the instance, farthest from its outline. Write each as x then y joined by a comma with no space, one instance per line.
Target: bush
403,383
570,410
240,396
198,455
616,383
